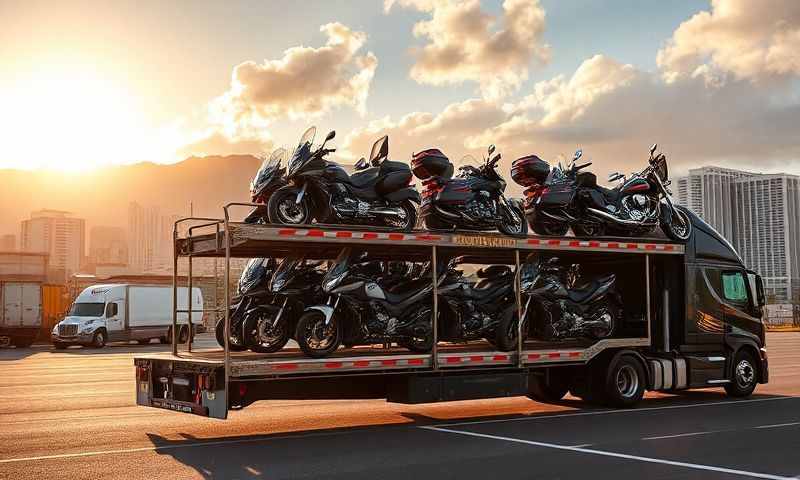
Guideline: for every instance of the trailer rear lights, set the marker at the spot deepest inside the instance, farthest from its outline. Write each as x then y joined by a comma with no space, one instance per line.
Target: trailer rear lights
242,389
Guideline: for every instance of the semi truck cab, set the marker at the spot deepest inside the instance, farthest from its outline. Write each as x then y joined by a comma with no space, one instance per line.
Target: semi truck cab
95,313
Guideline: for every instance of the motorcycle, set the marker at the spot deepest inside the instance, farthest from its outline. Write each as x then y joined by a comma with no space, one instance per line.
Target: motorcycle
361,311
322,190
556,308
473,309
472,200
251,292
572,198
295,283
269,178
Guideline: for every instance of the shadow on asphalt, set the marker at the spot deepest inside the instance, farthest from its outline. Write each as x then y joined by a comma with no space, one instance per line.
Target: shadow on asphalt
8,354
249,455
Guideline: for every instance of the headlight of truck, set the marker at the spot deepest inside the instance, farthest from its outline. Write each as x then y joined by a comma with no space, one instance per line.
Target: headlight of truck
55,329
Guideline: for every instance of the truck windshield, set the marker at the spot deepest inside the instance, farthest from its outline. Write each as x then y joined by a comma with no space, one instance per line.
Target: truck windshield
87,309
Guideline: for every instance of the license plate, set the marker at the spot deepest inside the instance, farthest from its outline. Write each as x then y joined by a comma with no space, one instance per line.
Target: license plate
178,406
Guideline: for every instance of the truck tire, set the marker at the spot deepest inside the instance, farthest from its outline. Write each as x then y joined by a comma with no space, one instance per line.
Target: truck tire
22,342
99,339
625,382
60,345
548,388
744,375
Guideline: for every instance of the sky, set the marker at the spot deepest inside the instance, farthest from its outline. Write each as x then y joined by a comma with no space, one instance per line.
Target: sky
87,84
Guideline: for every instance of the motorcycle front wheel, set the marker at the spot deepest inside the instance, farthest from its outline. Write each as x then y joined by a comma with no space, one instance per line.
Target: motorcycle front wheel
589,230
316,339
283,208
549,229
506,334
679,227
514,228
262,337
235,343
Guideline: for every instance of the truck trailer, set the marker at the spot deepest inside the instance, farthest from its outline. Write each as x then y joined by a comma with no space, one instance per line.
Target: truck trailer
692,320
20,312
124,312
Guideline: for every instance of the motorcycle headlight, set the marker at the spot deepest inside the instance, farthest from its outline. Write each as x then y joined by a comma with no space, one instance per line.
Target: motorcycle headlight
278,284
525,284
332,281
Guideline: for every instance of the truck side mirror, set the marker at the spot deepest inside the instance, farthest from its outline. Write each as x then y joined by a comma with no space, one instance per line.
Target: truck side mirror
762,299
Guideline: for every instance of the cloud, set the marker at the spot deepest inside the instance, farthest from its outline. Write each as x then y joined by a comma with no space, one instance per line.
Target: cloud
214,142
305,82
465,44
752,42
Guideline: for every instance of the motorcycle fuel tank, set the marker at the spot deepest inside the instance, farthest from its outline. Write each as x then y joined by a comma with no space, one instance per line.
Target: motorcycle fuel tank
393,181
455,191
637,185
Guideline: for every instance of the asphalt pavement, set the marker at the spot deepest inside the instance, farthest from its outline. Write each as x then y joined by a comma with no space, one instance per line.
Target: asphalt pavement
72,414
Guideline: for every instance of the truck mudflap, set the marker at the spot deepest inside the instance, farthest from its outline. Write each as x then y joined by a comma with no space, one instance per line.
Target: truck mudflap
187,387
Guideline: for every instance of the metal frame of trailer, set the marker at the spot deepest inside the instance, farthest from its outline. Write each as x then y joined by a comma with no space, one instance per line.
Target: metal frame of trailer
228,239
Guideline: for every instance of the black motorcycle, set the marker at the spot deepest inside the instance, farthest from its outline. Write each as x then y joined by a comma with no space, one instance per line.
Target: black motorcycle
572,198
270,177
295,284
361,311
251,292
472,310
472,200
556,309
323,191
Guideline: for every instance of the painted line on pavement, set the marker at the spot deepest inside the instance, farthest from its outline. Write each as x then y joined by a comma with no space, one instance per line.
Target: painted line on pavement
778,425
158,448
694,466
616,411
691,434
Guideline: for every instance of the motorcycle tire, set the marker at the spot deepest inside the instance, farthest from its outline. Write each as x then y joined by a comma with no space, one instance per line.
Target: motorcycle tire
432,222
549,229
306,326
256,342
282,208
515,230
678,234
219,332
409,222
590,230
506,333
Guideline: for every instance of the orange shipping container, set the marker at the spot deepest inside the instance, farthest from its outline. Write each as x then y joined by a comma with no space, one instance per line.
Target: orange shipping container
55,303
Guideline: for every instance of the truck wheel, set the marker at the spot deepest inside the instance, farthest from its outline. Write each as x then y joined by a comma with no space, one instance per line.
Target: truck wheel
22,342
744,375
316,339
99,339
548,390
625,382
60,345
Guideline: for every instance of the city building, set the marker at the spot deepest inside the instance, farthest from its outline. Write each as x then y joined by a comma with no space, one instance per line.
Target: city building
108,245
57,234
759,214
150,239
8,243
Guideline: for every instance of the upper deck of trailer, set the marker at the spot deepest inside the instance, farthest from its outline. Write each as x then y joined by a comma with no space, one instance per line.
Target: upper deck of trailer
258,240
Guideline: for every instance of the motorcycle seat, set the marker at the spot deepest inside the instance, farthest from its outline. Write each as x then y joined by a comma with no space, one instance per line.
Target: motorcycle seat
364,178
583,292
610,194
493,271
392,166
406,290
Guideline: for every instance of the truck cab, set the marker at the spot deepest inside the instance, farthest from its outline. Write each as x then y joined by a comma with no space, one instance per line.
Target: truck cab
95,315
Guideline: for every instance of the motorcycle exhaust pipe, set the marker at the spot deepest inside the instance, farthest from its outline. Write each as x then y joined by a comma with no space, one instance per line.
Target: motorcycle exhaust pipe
385,211
612,218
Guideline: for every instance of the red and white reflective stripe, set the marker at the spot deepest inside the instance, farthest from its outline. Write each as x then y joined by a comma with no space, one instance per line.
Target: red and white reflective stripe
449,360
553,242
350,364
319,233
554,356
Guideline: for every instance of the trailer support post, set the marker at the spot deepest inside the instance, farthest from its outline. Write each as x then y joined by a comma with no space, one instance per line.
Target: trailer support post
435,316
175,288
647,295
518,299
666,321
189,302
227,329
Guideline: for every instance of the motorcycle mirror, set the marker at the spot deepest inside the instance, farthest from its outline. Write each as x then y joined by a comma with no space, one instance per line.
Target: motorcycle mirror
613,177
491,149
653,149
495,159
330,135
578,154
361,164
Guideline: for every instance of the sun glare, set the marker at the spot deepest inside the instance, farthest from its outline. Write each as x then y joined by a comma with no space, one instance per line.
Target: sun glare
73,121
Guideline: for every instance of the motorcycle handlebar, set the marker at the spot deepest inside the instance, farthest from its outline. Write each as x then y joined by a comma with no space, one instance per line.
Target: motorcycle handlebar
579,167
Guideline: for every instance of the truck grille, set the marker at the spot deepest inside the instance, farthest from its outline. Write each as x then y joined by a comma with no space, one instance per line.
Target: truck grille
67,330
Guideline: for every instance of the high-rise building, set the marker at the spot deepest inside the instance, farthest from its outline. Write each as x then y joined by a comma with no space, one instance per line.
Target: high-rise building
150,239
108,245
8,243
58,234
759,214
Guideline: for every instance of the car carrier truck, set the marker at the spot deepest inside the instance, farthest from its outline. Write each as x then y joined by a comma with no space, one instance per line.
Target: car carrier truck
692,320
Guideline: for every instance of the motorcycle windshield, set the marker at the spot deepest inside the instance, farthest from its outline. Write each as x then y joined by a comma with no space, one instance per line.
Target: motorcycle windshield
380,151
268,168
340,266
302,153
468,166
252,275
284,271
527,274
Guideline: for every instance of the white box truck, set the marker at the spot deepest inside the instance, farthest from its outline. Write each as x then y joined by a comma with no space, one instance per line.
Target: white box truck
20,312
124,312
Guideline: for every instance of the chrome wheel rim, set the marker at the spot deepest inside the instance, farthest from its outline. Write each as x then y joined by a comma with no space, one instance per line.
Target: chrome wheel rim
320,336
290,211
681,228
266,334
745,374
627,381
400,221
